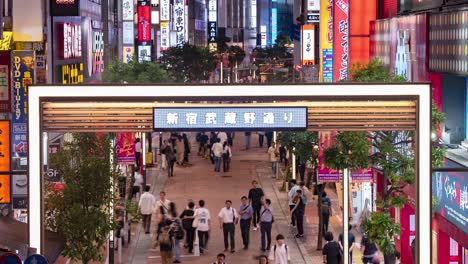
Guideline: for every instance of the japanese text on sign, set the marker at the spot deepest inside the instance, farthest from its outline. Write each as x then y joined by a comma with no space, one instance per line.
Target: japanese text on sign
341,40
179,22
230,118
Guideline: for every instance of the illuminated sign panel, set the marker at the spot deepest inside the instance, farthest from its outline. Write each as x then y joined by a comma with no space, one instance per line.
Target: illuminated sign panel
341,40
244,118
5,189
128,33
274,24
164,7
71,73
65,7
326,40
127,10
70,41
212,20
165,35
313,5
179,22
5,146
144,23
308,44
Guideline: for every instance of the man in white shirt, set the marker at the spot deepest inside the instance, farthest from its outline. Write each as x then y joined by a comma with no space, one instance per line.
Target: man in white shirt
222,137
228,219
162,206
217,150
137,184
279,253
146,206
204,225
291,195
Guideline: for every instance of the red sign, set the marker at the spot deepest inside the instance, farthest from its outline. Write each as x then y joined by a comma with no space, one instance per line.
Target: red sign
65,2
70,41
144,23
340,40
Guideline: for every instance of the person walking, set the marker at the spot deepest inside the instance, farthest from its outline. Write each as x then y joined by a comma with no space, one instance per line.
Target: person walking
266,222
261,136
187,217
299,210
326,211
146,205
351,241
137,152
269,138
203,223
162,207
273,154
163,164
178,232
368,250
255,198
170,158
186,148
137,184
246,214
220,258
227,222
247,140
203,140
227,155
166,242
217,150
223,137
291,195
180,150
331,251
279,253
213,140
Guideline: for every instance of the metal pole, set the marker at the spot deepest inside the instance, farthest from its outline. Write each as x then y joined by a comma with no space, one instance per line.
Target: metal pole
143,150
293,164
345,215
111,205
221,70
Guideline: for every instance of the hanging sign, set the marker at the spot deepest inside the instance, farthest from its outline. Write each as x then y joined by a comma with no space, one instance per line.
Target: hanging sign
126,147
326,174
4,146
127,10
144,23
341,40
326,41
69,41
179,22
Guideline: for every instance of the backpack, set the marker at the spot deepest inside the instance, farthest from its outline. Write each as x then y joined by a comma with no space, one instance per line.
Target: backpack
165,236
274,249
325,207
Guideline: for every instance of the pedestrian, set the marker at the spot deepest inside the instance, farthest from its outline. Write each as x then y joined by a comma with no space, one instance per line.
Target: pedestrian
273,154
261,136
266,222
291,195
146,205
246,215
176,227
351,240
137,184
137,152
163,155
263,259
187,217
231,136
217,150
269,138
213,140
227,222
255,198
220,259
227,155
203,225
203,145
331,251
186,148
282,153
326,211
180,150
170,158
247,140
368,250
162,207
305,191
299,211
223,137
166,242
279,253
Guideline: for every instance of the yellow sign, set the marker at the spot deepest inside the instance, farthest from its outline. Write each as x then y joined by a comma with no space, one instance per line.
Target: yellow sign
72,73
5,189
4,146
5,42
326,41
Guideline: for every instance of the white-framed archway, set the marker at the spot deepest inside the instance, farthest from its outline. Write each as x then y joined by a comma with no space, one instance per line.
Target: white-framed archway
420,93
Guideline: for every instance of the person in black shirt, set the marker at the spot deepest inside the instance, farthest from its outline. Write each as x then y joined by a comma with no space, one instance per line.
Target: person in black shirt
203,140
187,217
255,199
368,249
331,250
351,241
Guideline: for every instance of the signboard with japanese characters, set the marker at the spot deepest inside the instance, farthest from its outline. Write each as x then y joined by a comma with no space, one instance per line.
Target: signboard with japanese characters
98,52
69,40
308,44
5,100
326,41
341,40
127,10
164,7
179,22
230,118
128,33
4,146
313,5
65,7
165,44
144,23
324,173
212,20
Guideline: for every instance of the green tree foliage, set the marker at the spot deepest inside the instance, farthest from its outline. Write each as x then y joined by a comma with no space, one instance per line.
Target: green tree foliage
275,56
189,63
135,72
350,150
81,212
300,143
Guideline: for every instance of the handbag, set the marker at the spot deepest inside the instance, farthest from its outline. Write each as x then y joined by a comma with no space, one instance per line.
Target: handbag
195,222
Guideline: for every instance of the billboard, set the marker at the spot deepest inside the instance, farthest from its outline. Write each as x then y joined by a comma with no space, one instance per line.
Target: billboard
326,41
360,16
274,23
28,28
5,189
313,5
64,7
243,118
179,22
69,37
308,44
324,173
144,53
23,76
212,21
340,40
5,100
164,7
127,10
144,23
128,32
128,53
4,146
126,147
165,43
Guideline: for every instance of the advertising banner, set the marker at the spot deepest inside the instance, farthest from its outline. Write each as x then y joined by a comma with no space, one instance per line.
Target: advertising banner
313,5
340,40
451,192
179,22
363,175
4,146
308,44
326,174
69,37
164,7
5,100
128,33
274,24
5,189
98,52
19,184
127,10
128,53
64,7
326,41
144,53
28,27
126,147
23,76
165,44
71,73
144,23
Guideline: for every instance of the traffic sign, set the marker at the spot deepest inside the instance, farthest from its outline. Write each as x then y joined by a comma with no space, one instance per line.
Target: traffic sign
10,258
36,259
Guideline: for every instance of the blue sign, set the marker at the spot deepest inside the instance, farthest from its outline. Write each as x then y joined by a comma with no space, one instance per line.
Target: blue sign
230,118
327,65
23,76
274,25
10,258
36,259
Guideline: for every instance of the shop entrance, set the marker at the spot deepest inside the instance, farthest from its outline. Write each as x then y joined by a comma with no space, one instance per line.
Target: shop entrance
344,107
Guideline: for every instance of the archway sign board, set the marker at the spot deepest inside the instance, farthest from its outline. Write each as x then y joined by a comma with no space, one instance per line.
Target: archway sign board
319,107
